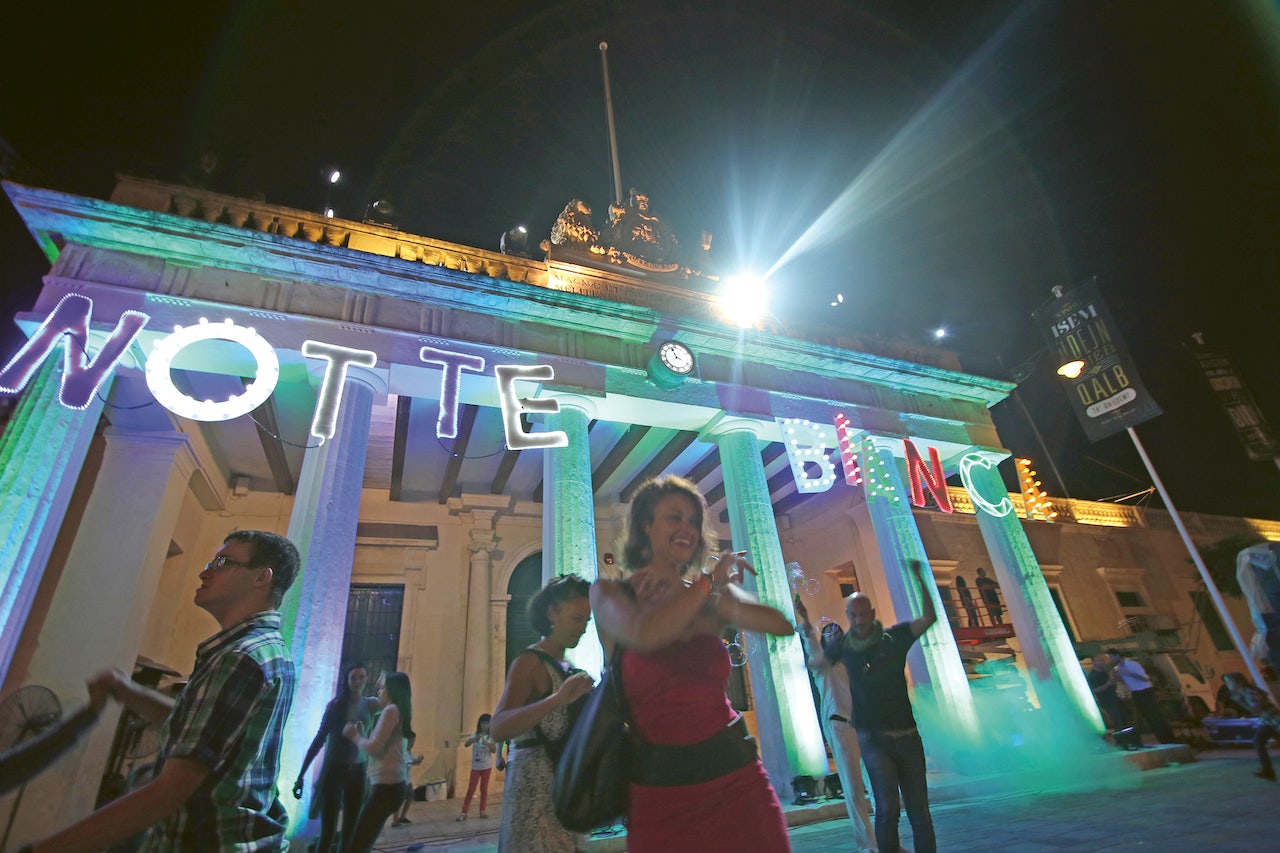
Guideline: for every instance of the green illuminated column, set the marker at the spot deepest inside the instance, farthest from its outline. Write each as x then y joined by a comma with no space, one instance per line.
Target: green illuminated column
326,509
1046,646
934,662
568,512
41,453
790,737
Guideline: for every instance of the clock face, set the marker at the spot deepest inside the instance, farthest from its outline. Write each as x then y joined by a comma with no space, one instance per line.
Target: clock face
676,356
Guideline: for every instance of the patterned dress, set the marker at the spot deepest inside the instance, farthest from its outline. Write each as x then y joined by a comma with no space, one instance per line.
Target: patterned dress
529,822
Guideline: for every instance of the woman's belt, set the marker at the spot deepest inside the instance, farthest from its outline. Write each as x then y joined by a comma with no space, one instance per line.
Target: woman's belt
665,765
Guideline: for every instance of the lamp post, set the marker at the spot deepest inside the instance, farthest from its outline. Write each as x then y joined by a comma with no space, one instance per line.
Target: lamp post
1108,396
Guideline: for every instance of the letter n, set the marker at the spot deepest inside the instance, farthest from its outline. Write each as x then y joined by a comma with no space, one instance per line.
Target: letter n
82,374
921,476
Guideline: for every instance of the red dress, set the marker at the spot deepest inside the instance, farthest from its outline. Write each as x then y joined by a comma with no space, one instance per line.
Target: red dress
676,696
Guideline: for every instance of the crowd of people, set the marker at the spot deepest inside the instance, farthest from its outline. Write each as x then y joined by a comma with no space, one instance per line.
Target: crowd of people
696,778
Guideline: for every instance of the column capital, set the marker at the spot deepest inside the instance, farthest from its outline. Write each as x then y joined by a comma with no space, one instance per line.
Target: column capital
482,541
724,424
176,443
589,406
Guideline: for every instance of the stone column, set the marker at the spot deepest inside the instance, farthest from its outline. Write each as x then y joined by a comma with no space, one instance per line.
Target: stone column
326,509
790,736
41,454
476,696
1046,646
99,610
942,697
568,513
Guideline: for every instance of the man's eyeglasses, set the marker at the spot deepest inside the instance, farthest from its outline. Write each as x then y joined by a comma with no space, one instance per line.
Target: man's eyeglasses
222,561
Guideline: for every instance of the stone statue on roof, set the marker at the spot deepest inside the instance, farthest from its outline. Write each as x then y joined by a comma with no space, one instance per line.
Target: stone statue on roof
635,236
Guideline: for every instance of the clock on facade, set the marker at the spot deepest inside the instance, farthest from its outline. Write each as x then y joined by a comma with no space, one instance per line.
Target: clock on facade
676,357
670,365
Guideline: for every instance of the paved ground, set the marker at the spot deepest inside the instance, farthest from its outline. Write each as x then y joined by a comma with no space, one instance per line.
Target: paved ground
1210,805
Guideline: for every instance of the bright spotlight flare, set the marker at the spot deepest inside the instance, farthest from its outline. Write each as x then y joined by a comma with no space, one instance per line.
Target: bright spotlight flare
744,298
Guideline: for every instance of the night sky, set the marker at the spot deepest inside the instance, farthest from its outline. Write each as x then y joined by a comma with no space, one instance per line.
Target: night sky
935,163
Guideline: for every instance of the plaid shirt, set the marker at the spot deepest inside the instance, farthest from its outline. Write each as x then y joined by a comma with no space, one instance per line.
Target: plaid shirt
230,717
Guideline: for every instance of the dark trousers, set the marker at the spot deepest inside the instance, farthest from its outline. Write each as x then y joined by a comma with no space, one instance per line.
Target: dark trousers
341,789
382,804
1265,733
1145,702
896,763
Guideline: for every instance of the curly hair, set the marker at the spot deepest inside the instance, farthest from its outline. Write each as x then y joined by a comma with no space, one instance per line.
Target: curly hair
638,550
557,591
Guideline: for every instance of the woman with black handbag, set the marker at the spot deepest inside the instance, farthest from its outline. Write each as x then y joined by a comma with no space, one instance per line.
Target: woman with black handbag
534,714
696,778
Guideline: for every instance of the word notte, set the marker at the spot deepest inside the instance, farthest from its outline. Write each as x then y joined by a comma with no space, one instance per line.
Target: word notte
807,443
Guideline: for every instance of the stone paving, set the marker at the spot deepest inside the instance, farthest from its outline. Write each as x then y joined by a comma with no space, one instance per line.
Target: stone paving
1210,805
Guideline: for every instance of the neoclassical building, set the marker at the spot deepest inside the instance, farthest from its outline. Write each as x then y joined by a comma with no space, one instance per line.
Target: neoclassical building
441,428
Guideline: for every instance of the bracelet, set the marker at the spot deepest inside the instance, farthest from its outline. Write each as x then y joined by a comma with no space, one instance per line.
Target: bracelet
704,580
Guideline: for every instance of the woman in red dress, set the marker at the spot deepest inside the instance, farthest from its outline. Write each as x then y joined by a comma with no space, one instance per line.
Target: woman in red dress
697,781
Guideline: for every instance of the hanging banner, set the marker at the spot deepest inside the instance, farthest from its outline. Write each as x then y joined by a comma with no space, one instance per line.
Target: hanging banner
1236,401
1108,396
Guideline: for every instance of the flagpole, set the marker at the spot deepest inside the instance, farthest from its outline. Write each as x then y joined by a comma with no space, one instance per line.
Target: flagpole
613,136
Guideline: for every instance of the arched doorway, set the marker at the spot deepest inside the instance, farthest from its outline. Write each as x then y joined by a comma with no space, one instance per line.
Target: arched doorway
525,582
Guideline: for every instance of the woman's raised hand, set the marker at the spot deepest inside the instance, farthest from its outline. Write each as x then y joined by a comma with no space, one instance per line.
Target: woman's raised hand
574,687
730,567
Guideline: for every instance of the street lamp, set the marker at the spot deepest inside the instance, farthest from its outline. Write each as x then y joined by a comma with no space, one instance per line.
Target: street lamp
332,177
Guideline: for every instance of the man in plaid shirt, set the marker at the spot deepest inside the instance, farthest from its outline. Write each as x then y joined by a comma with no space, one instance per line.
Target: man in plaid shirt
215,781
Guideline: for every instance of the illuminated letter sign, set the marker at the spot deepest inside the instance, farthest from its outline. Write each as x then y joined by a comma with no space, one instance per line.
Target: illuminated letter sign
921,476
325,421
848,457
453,363
513,405
82,376
167,394
807,442
967,464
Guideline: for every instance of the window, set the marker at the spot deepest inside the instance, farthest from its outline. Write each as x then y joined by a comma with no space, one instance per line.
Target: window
1212,621
1129,598
372,635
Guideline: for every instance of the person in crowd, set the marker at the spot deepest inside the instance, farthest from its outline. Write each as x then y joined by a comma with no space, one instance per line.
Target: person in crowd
966,601
1258,704
534,714
990,592
835,710
696,779
1224,705
1103,681
214,786
411,761
483,750
386,747
874,658
1141,690
340,786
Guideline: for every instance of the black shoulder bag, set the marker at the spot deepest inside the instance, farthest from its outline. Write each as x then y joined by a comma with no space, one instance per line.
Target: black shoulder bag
591,784
551,745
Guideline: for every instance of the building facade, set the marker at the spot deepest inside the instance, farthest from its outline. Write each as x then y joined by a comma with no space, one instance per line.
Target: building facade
441,428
